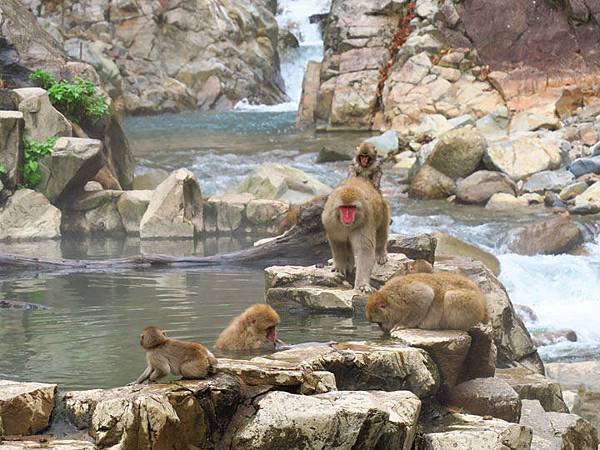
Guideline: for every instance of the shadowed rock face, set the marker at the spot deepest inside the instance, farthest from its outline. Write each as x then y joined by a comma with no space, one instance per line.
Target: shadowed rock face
535,33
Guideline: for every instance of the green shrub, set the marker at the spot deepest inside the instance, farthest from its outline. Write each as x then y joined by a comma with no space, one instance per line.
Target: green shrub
3,171
76,99
34,151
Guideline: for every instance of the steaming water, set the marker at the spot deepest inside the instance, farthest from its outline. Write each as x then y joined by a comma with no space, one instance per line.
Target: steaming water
293,15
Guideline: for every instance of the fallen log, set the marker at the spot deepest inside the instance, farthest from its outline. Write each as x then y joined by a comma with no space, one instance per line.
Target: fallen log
305,242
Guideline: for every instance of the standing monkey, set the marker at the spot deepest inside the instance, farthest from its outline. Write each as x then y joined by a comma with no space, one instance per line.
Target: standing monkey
165,355
366,164
356,220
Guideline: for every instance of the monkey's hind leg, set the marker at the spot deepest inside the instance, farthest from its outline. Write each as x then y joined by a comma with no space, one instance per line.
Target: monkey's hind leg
194,369
381,238
463,308
342,257
363,246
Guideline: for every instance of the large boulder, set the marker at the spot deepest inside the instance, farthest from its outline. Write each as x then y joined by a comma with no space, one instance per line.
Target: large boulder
182,415
308,98
430,183
487,397
551,237
94,213
450,246
42,120
11,145
25,408
366,420
591,196
368,366
279,182
28,215
73,162
458,152
522,156
176,208
478,187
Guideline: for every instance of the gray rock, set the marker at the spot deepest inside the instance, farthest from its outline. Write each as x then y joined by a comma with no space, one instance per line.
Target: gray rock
551,237
368,366
176,208
332,155
132,206
28,215
576,433
430,183
42,120
595,149
94,213
279,182
533,386
265,215
25,408
11,145
549,180
73,162
534,416
479,187
385,143
458,152
365,420
487,397
582,166
590,197
230,210
55,444
463,431
571,191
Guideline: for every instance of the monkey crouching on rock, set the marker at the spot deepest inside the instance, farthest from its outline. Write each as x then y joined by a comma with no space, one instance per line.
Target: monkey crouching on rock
431,301
165,355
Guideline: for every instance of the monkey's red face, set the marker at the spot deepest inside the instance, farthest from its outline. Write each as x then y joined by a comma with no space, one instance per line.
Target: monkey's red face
347,214
364,160
272,333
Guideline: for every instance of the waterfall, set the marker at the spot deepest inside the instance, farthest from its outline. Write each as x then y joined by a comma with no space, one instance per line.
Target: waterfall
293,15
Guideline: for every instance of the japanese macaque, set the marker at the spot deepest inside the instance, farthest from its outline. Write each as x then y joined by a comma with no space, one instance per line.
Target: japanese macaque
420,266
255,328
356,220
165,355
366,164
431,301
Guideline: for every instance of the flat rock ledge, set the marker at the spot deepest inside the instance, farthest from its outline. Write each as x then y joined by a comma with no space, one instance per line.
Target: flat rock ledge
25,408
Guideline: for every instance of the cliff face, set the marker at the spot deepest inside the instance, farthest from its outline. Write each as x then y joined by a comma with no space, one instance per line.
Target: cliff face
394,64
170,55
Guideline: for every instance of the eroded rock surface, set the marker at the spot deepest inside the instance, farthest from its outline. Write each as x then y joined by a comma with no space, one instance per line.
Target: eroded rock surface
25,408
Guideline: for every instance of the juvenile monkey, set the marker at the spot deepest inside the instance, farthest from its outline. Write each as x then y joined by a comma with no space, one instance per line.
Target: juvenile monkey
165,355
356,220
366,164
431,301
255,328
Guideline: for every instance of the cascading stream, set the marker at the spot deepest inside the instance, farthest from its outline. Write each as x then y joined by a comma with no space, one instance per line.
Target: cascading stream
294,16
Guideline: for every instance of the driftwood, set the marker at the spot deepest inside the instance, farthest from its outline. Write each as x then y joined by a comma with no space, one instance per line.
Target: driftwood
305,242
24,306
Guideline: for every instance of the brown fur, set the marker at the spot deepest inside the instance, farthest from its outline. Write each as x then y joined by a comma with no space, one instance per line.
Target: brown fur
372,171
420,266
165,355
431,301
250,330
364,240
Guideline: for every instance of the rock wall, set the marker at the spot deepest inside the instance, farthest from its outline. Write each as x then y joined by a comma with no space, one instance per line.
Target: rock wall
172,55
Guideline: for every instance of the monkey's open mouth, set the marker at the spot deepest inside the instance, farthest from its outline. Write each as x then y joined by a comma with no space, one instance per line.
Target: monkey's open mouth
272,334
364,160
347,213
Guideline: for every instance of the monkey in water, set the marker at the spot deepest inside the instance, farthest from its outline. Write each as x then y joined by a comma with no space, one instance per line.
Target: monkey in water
431,301
366,164
356,220
255,328
165,355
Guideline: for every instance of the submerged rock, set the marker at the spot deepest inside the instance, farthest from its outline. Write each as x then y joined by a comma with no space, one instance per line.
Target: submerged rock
365,420
551,237
25,408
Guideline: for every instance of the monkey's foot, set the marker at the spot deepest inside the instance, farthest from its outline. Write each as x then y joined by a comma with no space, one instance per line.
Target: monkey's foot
367,289
382,259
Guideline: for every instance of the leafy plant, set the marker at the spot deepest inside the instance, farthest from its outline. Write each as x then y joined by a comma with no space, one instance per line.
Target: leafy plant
34,151
3,170
76,99
42,78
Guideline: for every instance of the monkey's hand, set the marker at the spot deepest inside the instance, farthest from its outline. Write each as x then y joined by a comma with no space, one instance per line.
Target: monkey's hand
382,259
367,289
